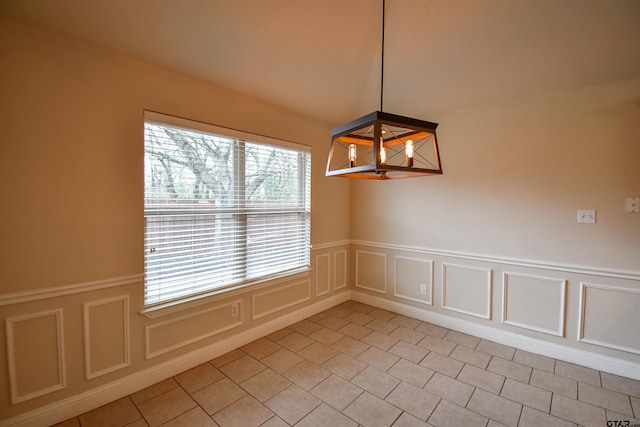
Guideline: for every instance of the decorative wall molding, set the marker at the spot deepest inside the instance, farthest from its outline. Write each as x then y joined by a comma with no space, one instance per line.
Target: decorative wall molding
234,321
428,279
592,360
285,291
330,245
44,293
486,313
89,339
340,280
561,315
323,286
583,316
539,264
383,262
14,379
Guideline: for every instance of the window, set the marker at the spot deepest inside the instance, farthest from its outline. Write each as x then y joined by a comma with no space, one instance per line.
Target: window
222,207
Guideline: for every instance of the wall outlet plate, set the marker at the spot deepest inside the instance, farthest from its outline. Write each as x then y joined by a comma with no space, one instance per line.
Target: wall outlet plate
587,216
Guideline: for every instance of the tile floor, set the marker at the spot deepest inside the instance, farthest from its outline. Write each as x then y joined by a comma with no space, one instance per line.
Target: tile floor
356,365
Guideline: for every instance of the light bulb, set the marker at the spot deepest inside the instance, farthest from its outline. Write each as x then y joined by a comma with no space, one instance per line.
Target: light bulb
383,152
409,152
352,155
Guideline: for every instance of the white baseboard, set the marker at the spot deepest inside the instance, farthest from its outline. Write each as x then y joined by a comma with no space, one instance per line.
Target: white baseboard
73,406
600,362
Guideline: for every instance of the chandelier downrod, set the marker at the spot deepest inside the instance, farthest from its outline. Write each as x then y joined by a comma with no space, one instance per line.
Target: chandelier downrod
382,60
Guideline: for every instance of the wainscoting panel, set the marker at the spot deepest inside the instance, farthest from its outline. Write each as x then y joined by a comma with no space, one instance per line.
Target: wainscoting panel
278,298
610,316
323,274
35,350
340,269
411,277
371,271
534,302
106,335
467,290
178,332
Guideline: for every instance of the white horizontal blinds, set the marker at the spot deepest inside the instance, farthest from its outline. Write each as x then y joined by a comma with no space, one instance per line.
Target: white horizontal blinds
220,210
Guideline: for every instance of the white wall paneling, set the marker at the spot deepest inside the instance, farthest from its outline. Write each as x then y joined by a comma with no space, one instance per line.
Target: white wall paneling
467,290
371,271
409,275
340,269
106,335
35,354
171,334
323,274
534,302
609,317
280,297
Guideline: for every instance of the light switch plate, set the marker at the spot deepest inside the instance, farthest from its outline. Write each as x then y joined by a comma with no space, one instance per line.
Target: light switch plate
632,204
587,216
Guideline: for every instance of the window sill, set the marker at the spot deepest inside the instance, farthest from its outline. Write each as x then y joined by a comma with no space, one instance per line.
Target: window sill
163,309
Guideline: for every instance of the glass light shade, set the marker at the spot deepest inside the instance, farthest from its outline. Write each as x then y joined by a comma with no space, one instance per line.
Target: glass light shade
388,146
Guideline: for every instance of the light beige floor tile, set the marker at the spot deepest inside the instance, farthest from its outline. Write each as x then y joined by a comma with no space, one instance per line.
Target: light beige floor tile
615,416
480,378
408,420
378,358
307,375
495,407
561,385
460,338
275,421
199,377
449,389
282,360
535,360
371,411
431,329
470,356
578,373
358,318
411,372
140,422
577,412
605,398
381,326
408,335
509,369
344,366
350,346
227,358
436,344
219,395
73,422
442,364
533,418
494,423
279,334
317,317
635,403
404,321
382,341
448,414
260,348
339,311
114,414
409,351
295,341
265,385
621,385
318,353
500,350
375,382
166,407
324,416
360,307
355,331
412,399
337,392
527,395
381,314
305,327
333,322
246,412
326,336
153,391
292,404
194,417
242,369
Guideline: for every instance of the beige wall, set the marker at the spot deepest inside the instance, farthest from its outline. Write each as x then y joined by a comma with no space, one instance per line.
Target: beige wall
71,258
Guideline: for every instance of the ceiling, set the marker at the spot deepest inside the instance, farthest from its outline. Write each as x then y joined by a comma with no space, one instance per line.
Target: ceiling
322,57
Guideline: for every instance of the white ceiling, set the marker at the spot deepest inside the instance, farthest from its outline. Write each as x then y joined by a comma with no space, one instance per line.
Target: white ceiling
322,57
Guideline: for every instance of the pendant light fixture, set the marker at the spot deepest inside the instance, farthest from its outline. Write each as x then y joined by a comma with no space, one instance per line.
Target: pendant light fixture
382,145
